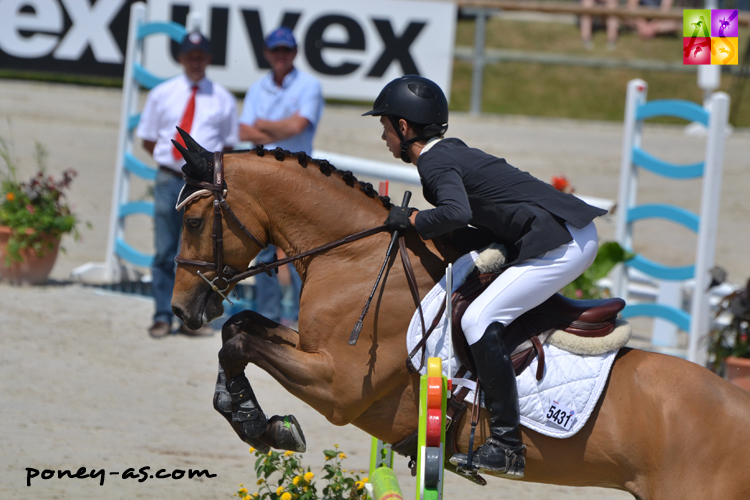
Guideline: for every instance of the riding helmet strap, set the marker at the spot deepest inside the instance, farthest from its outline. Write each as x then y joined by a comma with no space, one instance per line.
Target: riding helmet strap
404,143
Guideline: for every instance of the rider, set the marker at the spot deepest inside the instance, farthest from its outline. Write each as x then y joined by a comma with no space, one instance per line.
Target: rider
549,234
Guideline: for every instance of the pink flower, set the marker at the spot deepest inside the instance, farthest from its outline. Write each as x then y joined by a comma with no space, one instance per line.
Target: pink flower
30,208
579,293
743,337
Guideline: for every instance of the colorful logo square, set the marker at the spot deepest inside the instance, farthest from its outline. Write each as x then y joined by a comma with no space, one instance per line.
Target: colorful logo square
695,22
724,50
724,22
696,50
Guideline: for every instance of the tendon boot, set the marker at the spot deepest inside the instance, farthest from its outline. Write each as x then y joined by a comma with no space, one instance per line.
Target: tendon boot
223,404
246,408
503,451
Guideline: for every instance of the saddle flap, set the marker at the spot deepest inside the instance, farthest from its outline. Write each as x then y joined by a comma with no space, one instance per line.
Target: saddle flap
584,318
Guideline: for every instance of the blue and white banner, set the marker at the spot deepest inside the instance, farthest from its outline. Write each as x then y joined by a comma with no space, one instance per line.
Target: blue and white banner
354,47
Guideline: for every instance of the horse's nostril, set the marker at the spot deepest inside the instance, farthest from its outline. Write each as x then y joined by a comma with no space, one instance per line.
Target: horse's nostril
178,312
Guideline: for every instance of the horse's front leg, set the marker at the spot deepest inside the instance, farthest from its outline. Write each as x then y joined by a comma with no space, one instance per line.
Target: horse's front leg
234,397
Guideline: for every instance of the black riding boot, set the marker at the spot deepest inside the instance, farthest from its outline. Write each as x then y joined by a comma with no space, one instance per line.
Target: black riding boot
503,451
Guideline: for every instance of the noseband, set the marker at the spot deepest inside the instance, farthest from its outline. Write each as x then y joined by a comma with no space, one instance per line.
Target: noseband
226,275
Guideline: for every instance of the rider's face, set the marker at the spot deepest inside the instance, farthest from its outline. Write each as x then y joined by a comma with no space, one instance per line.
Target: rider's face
390,137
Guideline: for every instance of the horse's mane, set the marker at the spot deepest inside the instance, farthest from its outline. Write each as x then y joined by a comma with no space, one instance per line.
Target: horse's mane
326,168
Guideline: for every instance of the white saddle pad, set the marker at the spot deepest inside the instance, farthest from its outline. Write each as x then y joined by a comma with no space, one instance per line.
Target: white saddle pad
570,380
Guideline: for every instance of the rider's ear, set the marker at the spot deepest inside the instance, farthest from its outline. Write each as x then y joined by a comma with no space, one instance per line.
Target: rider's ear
404,126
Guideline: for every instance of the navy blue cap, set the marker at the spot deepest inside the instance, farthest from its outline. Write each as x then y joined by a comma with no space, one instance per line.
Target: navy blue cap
194,41
281,37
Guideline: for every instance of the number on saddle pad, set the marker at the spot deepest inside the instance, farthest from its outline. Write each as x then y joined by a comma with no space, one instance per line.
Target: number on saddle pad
560,415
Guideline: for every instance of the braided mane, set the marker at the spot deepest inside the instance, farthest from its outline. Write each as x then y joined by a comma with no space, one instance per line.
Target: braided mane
326,168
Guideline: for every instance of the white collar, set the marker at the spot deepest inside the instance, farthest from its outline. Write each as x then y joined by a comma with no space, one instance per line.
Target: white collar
433,140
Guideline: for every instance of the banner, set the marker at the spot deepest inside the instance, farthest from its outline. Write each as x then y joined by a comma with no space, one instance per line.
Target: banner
354,47
64,36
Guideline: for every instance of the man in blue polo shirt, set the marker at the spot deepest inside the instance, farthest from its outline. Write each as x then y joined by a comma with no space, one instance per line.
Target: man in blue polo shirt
282,109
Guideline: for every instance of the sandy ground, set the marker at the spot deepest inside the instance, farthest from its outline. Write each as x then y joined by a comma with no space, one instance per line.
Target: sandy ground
82,385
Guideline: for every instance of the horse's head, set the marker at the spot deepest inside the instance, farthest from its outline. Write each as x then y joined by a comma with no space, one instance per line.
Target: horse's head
213,248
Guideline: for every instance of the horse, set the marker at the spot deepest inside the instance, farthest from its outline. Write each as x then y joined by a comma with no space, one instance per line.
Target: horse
664,428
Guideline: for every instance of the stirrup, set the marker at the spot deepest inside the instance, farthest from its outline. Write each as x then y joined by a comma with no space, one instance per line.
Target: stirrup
514,466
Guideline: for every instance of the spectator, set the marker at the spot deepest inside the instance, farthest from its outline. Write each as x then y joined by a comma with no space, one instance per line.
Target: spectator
282,109
651,28
613,25
206,110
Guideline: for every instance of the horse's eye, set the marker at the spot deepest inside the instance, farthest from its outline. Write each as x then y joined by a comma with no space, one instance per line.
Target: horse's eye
193,223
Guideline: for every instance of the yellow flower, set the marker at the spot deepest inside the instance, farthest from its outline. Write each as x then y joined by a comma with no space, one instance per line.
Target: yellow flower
305,488
10,196
243,491
279,490
366,480
309,476
288,453
246,497
295,481
342,455
359,485
252,449
260,481
335,446
256,495
344,470
270,453
286,496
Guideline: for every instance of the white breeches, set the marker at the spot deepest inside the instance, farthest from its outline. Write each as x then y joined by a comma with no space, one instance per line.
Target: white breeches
526,285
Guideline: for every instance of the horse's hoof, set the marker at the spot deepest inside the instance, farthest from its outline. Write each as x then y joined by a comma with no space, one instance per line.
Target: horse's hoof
286,433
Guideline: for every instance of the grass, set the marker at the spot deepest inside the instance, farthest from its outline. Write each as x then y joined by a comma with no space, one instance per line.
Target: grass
578,92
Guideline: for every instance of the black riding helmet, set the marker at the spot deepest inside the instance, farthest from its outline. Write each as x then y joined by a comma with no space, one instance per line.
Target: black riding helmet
417,100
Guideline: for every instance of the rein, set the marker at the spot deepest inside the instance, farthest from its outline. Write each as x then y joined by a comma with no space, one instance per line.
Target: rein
227,275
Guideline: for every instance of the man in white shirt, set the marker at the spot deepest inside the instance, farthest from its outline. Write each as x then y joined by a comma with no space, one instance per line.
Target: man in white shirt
280,110
208,112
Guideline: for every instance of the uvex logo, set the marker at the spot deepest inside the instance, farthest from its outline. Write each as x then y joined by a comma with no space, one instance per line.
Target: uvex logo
395,45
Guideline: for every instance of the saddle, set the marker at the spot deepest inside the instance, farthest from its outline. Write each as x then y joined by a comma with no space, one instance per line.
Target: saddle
525,336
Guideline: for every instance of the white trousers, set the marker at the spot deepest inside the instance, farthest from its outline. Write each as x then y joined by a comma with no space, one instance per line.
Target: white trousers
526,285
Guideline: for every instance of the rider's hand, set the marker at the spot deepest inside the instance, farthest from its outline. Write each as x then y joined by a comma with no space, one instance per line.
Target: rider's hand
398,218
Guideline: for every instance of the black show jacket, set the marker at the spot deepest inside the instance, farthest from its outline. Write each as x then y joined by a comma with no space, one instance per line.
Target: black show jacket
469,186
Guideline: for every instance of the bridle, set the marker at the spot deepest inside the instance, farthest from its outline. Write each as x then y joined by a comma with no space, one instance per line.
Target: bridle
226,275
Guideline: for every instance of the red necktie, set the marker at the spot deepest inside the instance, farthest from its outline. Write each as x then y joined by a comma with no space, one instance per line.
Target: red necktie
186,123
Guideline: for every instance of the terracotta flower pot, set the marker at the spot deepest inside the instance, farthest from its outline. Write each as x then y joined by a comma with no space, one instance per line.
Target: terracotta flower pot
34,269
738,371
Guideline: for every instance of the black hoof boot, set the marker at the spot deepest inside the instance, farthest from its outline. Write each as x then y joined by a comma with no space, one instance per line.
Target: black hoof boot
502,454
246,410
286,434
223,404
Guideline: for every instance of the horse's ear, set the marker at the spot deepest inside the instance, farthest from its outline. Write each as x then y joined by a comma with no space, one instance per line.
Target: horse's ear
191,144
196,166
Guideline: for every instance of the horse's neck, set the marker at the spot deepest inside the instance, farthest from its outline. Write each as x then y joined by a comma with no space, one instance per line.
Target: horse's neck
301,207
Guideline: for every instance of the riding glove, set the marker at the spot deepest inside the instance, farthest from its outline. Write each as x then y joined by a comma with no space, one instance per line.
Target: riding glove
398,218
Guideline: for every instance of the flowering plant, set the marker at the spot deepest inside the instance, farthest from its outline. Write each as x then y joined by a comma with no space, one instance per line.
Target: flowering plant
561,183
35,208
296,483
732,338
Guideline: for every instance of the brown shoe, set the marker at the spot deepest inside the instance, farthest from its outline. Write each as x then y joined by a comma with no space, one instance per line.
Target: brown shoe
204,331
160,329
